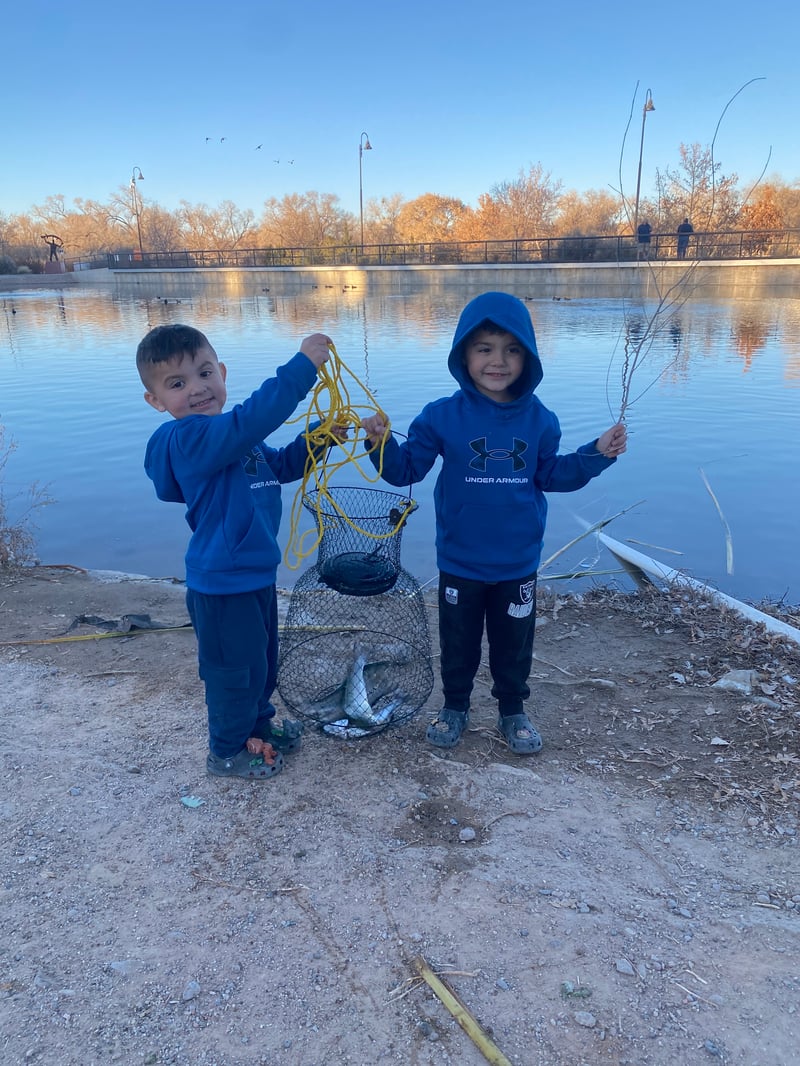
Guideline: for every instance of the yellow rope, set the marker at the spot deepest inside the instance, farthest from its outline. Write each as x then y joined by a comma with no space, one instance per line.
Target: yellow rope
332,407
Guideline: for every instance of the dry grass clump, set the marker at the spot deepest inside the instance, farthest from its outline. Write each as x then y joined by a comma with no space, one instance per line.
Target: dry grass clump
17,539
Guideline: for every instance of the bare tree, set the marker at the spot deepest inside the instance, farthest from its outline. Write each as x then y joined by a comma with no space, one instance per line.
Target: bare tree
226,226
595,212
162,230
310,219
518,209
773,205
698,190
430,217
381,219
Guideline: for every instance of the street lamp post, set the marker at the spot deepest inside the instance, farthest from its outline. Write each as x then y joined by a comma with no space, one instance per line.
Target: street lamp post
648,106
134,178
363,146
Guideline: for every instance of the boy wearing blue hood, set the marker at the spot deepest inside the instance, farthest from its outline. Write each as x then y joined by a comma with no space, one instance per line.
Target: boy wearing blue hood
499,448
229,479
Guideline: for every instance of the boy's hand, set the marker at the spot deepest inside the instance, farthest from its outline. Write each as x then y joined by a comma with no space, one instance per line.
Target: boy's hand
613,442
316,348
339,432
375,427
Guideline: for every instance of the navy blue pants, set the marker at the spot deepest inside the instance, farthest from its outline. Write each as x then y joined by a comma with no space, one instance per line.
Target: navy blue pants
508,611
237,648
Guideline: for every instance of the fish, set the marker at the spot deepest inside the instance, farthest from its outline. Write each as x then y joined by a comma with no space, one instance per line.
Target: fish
353,708
343,729
384,715
356,702
381,681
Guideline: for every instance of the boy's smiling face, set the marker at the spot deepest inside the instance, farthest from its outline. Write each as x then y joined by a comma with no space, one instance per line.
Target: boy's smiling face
494,362
188,386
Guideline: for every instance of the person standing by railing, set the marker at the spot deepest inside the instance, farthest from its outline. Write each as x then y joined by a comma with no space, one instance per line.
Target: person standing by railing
643,231
684,231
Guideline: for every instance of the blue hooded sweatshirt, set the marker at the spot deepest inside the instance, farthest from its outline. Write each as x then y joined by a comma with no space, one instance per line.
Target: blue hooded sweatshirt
229,479
498,459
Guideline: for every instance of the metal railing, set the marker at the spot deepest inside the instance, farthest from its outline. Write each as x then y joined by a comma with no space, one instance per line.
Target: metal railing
732,244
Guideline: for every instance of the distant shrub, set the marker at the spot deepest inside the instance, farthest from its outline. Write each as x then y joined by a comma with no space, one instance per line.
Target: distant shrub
576,249
7,265
23,268
17,540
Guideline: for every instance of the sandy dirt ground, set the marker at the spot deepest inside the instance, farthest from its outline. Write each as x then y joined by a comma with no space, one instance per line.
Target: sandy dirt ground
629,896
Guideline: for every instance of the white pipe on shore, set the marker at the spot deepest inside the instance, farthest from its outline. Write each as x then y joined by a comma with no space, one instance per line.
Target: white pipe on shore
675,577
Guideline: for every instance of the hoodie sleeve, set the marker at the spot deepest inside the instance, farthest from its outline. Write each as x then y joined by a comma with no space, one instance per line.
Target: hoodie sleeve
289,463
197,447
408,463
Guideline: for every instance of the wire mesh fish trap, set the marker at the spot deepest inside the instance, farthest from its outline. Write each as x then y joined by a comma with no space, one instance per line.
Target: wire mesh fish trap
359,550
354,665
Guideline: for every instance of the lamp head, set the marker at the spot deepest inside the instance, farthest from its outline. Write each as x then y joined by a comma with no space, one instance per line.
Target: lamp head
648,103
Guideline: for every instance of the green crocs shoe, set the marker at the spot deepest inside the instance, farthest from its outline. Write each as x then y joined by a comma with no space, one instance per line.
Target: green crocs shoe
244,764
284,737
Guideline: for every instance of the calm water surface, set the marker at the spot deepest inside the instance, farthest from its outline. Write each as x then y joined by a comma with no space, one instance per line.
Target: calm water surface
718,394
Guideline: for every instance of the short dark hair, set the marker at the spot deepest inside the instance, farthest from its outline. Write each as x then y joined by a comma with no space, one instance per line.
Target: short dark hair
164,343
487,326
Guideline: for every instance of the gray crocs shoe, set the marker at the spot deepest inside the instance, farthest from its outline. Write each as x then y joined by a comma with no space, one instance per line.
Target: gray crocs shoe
245,765
519,734
446,728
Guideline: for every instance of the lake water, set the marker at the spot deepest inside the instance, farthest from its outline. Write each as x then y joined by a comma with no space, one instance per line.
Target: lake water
720,395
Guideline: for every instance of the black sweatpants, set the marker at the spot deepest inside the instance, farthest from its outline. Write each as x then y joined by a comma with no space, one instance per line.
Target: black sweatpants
508,611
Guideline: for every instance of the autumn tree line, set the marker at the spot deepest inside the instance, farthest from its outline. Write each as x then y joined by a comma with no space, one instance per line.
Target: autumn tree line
533,205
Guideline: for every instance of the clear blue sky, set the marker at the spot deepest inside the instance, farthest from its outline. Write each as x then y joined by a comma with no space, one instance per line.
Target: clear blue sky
456,95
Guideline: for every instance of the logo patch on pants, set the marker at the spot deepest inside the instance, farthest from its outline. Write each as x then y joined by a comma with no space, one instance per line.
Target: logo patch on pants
451,595
526,594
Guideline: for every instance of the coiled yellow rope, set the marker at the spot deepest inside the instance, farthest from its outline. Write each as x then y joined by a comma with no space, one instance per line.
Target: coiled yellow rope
332,407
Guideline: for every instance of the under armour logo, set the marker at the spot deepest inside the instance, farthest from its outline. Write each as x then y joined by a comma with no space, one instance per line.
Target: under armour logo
252,459
483,454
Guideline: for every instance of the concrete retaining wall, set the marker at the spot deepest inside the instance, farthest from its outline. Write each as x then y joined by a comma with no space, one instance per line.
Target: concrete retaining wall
740,279
16,282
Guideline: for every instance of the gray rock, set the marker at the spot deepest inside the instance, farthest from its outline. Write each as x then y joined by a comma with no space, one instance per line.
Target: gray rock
190,991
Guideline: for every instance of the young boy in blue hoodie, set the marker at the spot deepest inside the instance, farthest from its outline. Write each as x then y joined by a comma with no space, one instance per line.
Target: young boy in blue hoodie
499,448
218,465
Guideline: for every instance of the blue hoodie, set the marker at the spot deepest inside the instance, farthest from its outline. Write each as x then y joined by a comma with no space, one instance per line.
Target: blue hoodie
498,459
229,479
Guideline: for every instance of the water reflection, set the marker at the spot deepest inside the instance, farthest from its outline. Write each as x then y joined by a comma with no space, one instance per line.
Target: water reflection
749,338
675,333
717,389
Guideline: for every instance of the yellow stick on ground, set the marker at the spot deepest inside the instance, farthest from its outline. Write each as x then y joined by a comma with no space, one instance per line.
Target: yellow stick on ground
96,636
480,1039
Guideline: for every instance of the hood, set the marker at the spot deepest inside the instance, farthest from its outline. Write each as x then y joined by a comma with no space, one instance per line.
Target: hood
511,315
158,467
